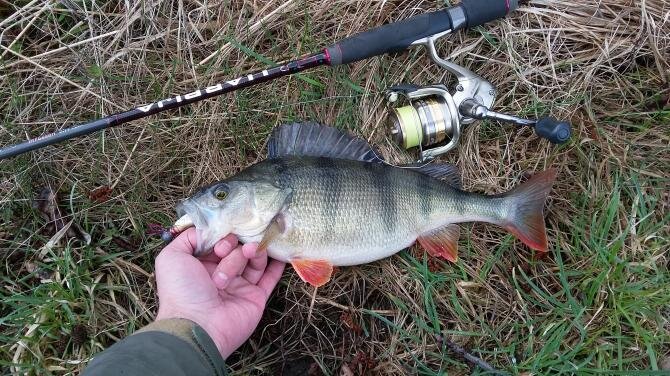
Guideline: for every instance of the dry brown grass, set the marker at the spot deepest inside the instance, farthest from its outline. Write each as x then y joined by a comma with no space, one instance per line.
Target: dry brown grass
604,65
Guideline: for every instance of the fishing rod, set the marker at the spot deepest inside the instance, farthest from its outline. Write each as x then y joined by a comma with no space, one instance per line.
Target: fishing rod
414,124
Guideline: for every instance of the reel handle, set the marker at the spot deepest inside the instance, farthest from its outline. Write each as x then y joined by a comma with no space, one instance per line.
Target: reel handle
556,131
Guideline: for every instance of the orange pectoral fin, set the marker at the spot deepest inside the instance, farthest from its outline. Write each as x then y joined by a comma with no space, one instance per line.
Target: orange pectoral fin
442,242
315,272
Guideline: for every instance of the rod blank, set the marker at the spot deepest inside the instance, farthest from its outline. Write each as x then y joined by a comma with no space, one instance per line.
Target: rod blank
247,80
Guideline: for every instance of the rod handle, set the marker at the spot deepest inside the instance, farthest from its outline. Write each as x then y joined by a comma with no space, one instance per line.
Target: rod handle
388,38
399,35
479,12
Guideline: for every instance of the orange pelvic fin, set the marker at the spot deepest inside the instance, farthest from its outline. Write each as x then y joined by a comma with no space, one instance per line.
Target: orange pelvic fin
526,221
315,272
442,242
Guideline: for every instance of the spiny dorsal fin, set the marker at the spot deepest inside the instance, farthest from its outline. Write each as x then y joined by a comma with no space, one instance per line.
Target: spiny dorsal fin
317,140
443,171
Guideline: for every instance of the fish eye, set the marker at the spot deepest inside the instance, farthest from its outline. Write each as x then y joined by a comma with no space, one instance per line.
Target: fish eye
220,193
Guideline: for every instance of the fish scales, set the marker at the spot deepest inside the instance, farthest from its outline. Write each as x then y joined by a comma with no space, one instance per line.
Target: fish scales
339,208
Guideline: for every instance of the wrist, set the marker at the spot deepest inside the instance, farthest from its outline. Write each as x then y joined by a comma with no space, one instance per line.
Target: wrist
191,333
218,339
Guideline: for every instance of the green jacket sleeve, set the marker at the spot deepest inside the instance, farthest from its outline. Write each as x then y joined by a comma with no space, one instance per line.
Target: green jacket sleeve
163,348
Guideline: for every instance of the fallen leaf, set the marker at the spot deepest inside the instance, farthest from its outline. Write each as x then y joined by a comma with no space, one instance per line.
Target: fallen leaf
40,273
100,194
79,233
31,267
46,203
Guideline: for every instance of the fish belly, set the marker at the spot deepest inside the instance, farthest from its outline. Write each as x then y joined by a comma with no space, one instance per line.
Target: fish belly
340,254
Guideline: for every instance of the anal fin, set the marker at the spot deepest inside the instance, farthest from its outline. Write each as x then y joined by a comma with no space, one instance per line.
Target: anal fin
315,272
442,242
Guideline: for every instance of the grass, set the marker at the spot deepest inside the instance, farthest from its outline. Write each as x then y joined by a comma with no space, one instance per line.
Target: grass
598,303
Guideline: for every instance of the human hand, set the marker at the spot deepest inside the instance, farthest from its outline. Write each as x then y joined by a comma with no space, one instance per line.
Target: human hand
225,292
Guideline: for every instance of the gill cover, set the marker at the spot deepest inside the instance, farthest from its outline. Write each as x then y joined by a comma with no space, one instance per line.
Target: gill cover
243,208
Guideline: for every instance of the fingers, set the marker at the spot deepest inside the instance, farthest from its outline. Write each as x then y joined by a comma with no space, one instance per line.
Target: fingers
211,267
271,276
186,242
226,245
183,243
257,263
230,267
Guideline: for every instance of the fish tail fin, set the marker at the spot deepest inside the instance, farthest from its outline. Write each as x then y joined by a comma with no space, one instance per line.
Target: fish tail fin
526,217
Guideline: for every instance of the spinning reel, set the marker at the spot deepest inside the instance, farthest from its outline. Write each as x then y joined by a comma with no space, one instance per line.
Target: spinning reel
432,118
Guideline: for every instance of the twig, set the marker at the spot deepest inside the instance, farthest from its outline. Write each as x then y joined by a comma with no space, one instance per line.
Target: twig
469,357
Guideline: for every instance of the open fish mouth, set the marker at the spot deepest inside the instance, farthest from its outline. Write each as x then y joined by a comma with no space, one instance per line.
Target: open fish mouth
184,222
191,215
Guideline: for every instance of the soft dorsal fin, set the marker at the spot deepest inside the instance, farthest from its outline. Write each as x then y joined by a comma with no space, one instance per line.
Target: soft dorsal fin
443,171
317,140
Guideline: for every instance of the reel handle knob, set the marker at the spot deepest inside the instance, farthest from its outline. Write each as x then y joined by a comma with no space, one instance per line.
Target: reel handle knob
556,131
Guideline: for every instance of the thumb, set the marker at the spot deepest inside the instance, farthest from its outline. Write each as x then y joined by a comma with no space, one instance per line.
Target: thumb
183,243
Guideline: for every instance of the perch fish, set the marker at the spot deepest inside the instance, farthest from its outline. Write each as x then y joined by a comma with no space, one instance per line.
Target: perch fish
324,198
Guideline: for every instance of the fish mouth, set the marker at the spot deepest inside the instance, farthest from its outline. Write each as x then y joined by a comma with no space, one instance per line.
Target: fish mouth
193,215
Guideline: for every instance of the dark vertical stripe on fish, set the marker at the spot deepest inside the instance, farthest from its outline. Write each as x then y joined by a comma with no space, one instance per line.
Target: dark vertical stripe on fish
280,168
330,183
423,190
380,179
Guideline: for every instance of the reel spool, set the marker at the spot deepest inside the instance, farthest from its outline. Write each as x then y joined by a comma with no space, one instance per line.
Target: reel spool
424,122
432,118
